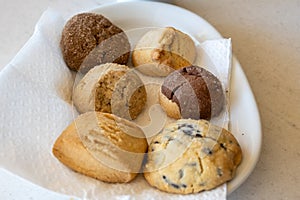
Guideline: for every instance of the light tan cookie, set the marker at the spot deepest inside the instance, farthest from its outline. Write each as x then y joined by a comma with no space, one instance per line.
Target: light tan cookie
163,50
90,39
111,88
190,156
192,92
102,146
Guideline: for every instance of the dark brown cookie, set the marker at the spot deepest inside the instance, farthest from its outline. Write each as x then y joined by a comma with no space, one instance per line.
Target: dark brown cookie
196,91
90,39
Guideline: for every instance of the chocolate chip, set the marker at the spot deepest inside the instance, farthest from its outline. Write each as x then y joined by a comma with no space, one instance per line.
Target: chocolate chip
168,138
223,146
187,132
202,184
180,173
175,185
185,125
198,135
181,125
170,183
156,142
183,185
190,126
186,128
193,164
207,150
219,172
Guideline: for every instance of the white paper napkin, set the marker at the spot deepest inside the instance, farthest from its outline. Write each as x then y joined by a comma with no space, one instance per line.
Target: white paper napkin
36,107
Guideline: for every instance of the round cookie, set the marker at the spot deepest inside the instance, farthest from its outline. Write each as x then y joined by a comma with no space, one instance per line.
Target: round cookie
90,39
192,92
190,156
111,88
102,146
163,50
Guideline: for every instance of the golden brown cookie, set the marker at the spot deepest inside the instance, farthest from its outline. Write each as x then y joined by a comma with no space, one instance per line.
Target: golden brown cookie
111,88
102,146
163,50
192,92
90,39
190,156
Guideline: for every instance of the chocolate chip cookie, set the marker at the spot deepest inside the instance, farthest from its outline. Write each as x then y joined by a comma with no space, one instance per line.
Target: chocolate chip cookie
190,156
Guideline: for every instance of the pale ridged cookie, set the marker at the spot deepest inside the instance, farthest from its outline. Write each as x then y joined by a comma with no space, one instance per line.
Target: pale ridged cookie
190,156
163,50
102,146
111,88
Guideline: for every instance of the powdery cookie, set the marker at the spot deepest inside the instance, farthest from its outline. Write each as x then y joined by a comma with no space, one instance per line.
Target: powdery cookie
111,88
102,146
190,156
90,39
192,92
163,50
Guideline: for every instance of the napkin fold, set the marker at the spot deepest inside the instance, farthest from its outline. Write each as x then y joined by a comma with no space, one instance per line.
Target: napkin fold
36,107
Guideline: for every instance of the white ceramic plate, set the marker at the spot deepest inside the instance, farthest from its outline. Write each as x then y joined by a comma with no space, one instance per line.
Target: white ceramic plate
244,119
245,122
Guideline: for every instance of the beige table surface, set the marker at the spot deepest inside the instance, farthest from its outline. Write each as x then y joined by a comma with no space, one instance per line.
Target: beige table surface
266,40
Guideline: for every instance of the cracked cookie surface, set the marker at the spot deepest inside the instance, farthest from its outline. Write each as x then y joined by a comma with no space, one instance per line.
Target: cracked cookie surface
192,92
102,146
163,50
90,39
190,156
111,88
